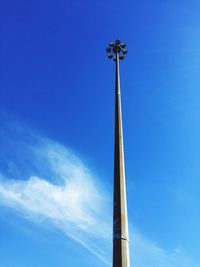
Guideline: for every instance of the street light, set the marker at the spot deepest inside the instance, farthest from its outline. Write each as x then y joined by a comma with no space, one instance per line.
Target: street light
116,51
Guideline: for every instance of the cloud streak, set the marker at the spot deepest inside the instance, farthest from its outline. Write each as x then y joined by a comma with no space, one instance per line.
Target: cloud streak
47,183
67,195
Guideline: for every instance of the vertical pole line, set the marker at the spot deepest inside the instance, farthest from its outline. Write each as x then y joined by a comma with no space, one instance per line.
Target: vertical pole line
120,222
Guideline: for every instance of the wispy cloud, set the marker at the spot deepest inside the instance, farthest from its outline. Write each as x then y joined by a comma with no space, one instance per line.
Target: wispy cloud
67,195
56,187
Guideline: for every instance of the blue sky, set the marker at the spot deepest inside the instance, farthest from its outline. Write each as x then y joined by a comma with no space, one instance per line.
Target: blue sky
56,134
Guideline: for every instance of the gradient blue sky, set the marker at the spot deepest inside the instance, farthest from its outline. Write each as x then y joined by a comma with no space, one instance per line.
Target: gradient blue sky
56,134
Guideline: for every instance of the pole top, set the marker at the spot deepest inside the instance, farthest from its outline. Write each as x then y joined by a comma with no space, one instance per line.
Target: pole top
116,48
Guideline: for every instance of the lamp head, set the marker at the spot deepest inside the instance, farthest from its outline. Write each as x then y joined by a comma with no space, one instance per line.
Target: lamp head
116,48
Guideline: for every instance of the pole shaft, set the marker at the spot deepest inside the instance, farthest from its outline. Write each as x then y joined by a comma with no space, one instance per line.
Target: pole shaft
120,222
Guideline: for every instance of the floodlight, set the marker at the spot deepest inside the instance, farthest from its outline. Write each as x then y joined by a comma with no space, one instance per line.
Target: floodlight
124,51
121,57
110,55
118,49
123,45
108,49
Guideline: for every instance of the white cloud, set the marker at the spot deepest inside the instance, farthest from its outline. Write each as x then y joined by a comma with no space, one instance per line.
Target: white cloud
62,191
74,203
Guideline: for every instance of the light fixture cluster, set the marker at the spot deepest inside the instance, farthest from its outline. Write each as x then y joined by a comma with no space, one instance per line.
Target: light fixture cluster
115,48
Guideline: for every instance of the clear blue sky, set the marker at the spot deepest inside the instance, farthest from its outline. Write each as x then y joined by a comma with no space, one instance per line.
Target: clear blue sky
56,134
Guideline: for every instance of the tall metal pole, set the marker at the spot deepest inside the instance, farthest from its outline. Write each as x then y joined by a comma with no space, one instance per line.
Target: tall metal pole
116,50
